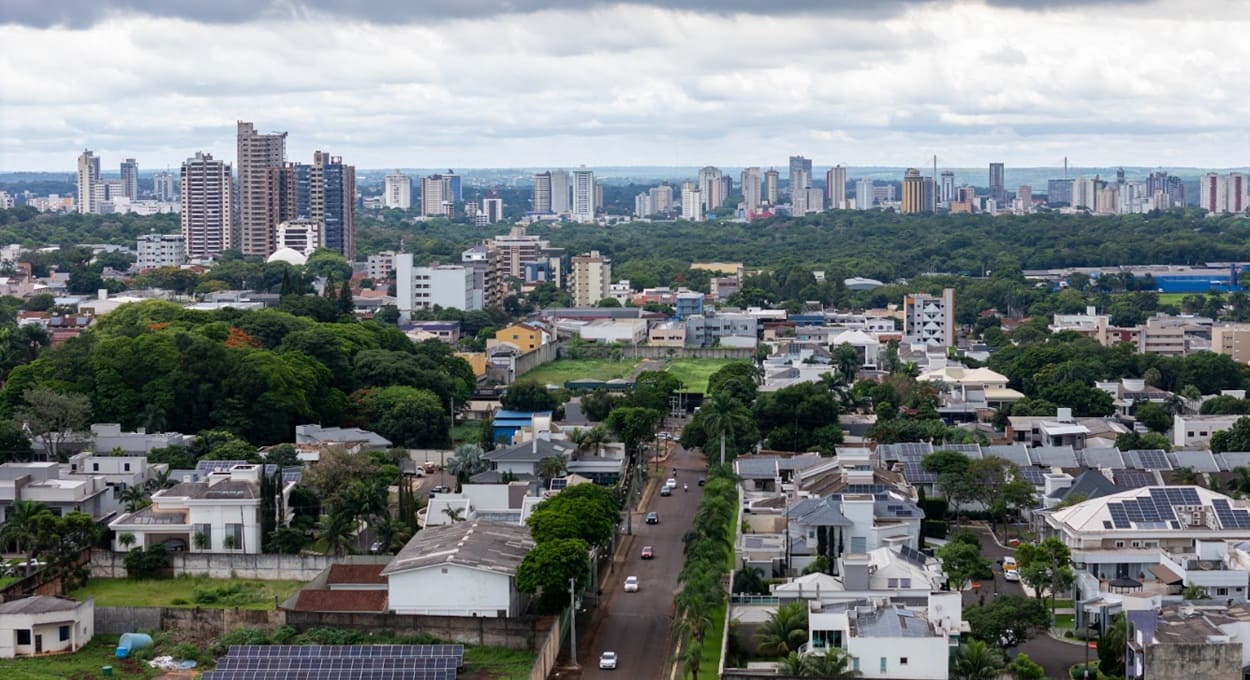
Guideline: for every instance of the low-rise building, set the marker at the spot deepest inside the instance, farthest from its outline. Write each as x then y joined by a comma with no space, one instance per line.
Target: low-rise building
667,334
525,336
722,329
160,250
1232,340
38,625
447,332
1192,431
107,437
44,483
1190,640
890,640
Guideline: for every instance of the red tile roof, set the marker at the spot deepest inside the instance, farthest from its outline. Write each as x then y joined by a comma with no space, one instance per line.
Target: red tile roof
341,601
356,573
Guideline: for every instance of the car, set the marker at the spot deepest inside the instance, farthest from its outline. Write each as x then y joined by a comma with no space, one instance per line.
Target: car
666,490
671,483
665,435
376,547
648,552
653,518
702,480
631,584
607,661
1011,571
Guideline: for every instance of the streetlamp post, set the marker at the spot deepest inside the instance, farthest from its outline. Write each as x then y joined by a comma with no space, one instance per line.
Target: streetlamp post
573,620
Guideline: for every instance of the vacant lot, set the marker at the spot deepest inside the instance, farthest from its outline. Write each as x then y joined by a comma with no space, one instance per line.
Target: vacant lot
186,591
561,371
693,373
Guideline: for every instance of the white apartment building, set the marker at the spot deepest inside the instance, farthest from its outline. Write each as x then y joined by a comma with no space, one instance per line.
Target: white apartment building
592,279
302,235
711,188
691,202
835,187
398,191
752,187
583,208
447,286
88,180
929,319
160,250
661,198
492,209
436,197
165,187
863,194
207,212
221,514
560,191
1192,431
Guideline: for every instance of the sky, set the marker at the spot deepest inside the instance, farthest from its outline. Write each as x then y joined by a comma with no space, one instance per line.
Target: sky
557,83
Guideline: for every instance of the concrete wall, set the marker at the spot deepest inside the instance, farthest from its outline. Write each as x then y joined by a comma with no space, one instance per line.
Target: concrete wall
1197,660
548,651
108,564
520,633
451,589
197,623
531,360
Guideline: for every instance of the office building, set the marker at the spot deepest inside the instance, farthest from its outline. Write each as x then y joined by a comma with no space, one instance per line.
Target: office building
207,208
560,191
492,208
260,163
930,319
1059,191
913,192
864,198
160,250
447,286
130,179
711,188
752,184
998,184
947,192
691,202
583,207
835,187
540,196
398,192
165,186
436,197
592,278
88,179
800,174
770,186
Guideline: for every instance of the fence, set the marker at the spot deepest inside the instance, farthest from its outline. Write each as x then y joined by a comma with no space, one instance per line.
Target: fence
269,567
43,582
525,633
549,650
198,623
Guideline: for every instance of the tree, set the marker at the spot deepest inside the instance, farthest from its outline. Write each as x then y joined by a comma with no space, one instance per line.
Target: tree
724,419
150,563
54,416
126,539
466,461
20,528
833,662
1111,647
962,563
1046,566
1154,417
846,358
1008,620
976,660
528,396
1024,668
633,425
551,467
548,567
1236,438
14,444
408,416
337,530
584,511
785,630
136,497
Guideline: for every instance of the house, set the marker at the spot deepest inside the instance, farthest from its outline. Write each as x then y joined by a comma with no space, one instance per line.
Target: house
118,471
354,585
1191,431
526,336
461,569
986,386
310,440
447,332
507,423
887,639
44,483
1205,639
108,437
852,523
1062,430
493,501
41,624
220,514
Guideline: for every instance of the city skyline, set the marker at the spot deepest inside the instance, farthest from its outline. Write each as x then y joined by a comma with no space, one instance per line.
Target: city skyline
636,84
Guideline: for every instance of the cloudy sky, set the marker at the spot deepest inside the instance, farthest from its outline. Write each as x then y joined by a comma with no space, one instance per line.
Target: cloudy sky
508,83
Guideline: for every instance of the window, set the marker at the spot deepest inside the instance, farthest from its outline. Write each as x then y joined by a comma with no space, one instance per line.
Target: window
1119,544
884,665
859,545
234,532
855,663
904,583
902,661
1221,591
892,583
23,636
95,467
64,633
126,467
205,530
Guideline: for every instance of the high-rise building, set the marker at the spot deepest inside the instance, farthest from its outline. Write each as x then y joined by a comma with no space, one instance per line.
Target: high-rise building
864,197
519,249
998,183
583,208
303,235
1059,191
1222,193
691,202
492,208
662,198
330,199
1085,193
947,193
930,319
453,185
913,192
800,174
592,276
751,181
711,188
88,178
642,204
130,179
260,161
436,197
540,198
207,209
770,186
599,204
398,192
560,192
490,284
1024,194
165,186
835,187
160,250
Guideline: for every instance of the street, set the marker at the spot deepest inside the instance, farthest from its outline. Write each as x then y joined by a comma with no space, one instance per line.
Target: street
636,625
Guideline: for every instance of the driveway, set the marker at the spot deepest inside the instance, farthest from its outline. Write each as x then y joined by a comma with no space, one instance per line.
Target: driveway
636,625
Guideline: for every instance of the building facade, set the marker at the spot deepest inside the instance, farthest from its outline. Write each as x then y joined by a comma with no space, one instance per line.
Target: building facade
207,206
913,192
591,279
447,286
398,191
88,178
260,163
835,187
160,250
583,207
930,319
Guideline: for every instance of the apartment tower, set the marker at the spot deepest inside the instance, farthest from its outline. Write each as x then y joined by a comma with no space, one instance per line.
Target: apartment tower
130,179
998,183
583,209
206,206
88,179
398,193
592,278
913,192
835,187
260,161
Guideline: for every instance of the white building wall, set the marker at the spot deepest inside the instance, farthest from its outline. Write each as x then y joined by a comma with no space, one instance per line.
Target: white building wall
926,657
80,620
452,590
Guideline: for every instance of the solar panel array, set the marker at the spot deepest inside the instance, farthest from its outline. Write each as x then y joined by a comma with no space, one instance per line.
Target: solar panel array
1153,511
912,555
970,450
1150,459
339,662
1134,479
915,473
910,451
1230,518
1032,475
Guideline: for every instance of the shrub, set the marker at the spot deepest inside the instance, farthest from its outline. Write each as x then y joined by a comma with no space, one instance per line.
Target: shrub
151,563
933,528
238,636
180,602
230,594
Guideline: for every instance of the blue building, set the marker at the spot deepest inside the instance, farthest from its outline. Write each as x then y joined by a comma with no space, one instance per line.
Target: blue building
687,304
326,191
506,423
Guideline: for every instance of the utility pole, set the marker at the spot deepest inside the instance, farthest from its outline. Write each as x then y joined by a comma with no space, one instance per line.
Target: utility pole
573,620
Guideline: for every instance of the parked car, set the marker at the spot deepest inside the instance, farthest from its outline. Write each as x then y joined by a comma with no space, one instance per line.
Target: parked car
1011,571
666,490
648,552
702,480
607,661
653,518
631,584
376,547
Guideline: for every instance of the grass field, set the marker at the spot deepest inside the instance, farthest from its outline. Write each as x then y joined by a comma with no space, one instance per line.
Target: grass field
466,433
83,664
499,663
178,592
693,373
563,370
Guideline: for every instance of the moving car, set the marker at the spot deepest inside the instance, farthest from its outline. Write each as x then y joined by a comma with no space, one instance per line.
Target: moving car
607,661
666,490
631,584
1011,572
702,480
648,552
671,483
653,518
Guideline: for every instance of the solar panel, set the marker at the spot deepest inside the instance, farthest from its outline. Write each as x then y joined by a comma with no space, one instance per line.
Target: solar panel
1031,474
1151,459
1230,517
397,674
915,473
1134,479
912,555
286,651
1118,516
314,663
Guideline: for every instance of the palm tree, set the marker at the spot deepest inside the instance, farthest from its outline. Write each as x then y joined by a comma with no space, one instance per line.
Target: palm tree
21,528
454,514
785,630
976,660
201,541
159,481
833,663
792,665
723,419
597,437
466,461
336,530
846,358
689,658
136,498
579,437
126,540
551,467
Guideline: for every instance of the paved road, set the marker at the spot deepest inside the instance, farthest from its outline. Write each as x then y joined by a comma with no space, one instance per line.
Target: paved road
636,625
573,414
1055,656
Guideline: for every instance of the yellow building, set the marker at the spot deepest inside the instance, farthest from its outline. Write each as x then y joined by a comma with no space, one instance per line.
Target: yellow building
913,192
477,361
525,337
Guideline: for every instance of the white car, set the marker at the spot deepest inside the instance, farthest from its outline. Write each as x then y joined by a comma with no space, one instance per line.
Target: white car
1011,571
631,584
607,661
671,483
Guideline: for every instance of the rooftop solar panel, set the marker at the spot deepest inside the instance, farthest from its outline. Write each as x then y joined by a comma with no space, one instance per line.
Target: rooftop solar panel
1149,459
915,473
1134,479
912,555
1031,474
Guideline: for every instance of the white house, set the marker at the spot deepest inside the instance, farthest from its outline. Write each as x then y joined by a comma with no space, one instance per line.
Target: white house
460,569
44,625
225,509
511,502
43,482
855,523
890,640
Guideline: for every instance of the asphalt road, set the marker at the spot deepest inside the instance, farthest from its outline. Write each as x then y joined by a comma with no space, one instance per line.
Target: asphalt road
636,625
1055,656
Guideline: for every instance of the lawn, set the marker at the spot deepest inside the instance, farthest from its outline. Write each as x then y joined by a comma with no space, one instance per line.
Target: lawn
499,663
466,433
83,664
693,373
563,370
179,592
6,581
1067,621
